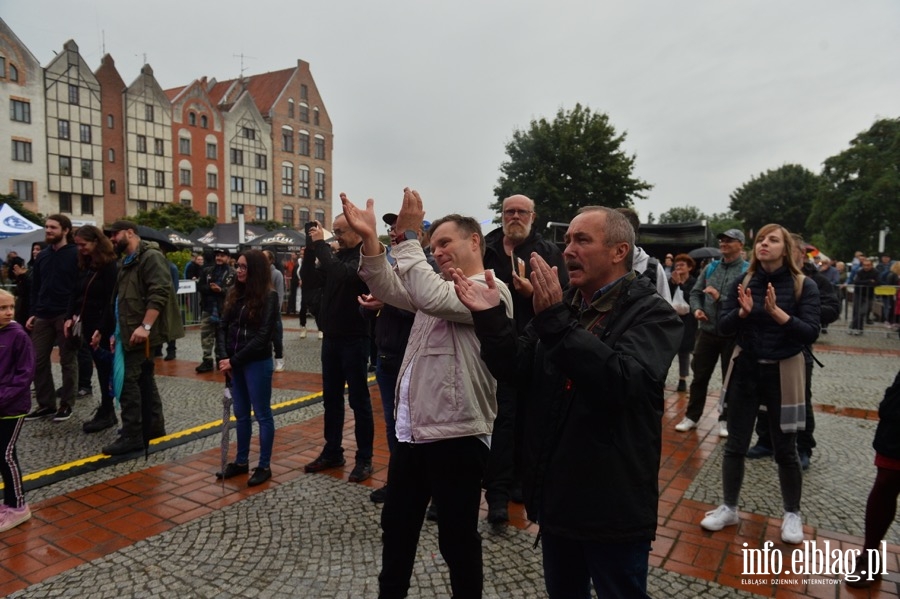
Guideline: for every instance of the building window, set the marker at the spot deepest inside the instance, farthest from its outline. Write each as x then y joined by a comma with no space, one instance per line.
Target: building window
320,147
248,133
112,186
212,209
261,161
65,202
159,178
63,129
320,216
184,146
13,72
316,116
287,180
112,155
73,94
303,182
85,131
237,156
237,184
142,176
65,166
261,187
212,181
304,216
304,92
21,151
262,213
235,210
2,67
159,147
142,144
24,190
110,121
212,151
320,184
87,169
20,111
287,215
184,176
303,143
304,112
290,108
87,204
148,113
192,118
204,122
287,140
142,205
186,202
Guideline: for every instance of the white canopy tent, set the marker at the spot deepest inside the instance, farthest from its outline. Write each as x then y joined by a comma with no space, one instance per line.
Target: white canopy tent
12,223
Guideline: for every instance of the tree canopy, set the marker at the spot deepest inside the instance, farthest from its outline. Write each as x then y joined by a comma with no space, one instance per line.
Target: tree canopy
183,219
681,214
573,161
784,195
860,194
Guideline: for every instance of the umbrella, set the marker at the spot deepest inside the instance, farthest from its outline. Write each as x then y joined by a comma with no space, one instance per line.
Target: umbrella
150,234
279,240
226,421
145,383
181,241
704,253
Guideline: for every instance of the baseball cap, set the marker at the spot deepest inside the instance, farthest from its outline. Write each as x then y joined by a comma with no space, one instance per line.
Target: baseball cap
389,219
733,234
222,251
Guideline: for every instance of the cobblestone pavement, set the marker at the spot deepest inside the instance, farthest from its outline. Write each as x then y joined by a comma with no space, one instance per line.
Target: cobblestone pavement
317,536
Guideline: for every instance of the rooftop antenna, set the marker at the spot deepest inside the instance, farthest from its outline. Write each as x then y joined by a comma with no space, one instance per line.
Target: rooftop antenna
242,56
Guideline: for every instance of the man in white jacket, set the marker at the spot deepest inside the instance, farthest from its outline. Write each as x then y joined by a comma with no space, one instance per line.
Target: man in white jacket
446,402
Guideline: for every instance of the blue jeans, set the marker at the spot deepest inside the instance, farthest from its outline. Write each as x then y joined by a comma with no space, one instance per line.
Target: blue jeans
345,359
616,569
387,384
278,338
251,385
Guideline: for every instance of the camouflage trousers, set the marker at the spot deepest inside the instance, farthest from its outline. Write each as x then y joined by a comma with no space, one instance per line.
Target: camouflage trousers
208,327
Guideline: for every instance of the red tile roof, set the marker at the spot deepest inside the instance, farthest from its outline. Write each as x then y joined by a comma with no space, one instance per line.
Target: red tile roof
264,88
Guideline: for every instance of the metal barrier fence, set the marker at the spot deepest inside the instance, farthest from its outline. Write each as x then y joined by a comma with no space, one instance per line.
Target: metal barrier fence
877,308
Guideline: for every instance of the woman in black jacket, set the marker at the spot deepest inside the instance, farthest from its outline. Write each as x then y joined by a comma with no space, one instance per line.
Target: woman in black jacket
681,278
775,314
245,336
90,304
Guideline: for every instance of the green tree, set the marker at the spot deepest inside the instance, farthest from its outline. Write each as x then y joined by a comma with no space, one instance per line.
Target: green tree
576,160
784,195
861,194
722,221
183,219
270,225
681,214
16,204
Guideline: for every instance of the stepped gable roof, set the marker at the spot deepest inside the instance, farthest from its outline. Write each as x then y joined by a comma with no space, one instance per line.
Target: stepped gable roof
265,88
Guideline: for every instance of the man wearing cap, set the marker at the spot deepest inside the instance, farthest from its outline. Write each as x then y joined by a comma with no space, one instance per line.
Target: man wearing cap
710,290
513,242
214,282
147,315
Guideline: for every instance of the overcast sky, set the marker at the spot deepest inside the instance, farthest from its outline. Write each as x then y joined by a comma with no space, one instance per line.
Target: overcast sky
709,92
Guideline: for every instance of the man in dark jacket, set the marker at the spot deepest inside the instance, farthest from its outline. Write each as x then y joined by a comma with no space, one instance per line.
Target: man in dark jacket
345,345
147,315
510,245
829,310
592,366
213,285
52,281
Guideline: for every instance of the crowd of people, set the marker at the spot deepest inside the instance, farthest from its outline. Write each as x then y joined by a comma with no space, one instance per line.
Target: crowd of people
506,364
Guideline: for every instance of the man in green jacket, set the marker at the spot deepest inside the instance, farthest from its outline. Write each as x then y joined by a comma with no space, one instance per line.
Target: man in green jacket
147,315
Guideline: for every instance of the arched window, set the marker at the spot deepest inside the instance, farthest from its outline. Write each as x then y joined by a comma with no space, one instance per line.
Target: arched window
290,108
112,186
192,118
13,72
204,122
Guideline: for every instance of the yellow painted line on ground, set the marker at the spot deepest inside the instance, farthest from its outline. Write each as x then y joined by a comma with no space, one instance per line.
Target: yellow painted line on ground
192,430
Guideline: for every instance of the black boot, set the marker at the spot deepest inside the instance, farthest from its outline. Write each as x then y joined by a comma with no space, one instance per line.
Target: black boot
124,445
102,420
205,366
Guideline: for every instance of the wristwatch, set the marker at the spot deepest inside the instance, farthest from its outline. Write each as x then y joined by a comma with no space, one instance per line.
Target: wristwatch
146,326
407,235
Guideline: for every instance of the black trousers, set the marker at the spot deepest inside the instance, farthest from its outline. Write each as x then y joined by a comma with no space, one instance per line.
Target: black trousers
451,472
504,464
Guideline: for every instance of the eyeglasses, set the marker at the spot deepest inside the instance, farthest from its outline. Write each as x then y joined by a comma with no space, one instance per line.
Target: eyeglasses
511,212
338,232
240,266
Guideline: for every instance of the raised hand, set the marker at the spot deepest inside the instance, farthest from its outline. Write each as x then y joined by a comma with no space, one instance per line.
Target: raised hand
545,280
411,212
745,301
361,221
474,296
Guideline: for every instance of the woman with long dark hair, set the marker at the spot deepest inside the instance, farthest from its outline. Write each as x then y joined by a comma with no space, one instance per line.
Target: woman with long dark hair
775,314
681,278
244,352
89,304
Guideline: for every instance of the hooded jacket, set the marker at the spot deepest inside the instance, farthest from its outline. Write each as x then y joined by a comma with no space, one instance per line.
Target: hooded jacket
593,378
16,370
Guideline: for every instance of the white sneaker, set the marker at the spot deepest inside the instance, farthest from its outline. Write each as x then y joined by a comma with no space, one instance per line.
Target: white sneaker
685,425
719,518
303,332
792,528
279,364
12,517
321,335
723,429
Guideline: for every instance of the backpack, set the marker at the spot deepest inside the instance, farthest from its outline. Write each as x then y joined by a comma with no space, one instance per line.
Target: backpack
650,271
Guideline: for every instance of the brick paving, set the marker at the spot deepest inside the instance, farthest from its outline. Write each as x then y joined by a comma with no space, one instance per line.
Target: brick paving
163,526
